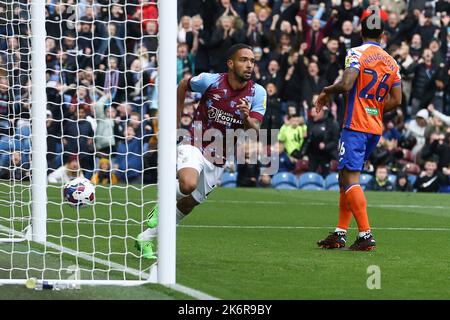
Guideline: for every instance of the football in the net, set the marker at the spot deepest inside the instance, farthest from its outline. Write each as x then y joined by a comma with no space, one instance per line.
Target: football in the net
79,192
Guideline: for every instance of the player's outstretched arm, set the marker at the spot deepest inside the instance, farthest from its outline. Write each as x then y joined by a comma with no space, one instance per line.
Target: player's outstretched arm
181,94
394,99
346,84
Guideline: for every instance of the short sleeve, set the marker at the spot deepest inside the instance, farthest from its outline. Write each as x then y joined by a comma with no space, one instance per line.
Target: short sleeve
397,81
202,82
352,59
258,107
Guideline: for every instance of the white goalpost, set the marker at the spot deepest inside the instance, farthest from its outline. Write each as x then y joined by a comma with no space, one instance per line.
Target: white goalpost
78,82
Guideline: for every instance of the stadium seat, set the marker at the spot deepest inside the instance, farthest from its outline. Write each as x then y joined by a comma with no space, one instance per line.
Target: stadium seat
392,178
412,179
283,179
311,178
285,186
331,181
228,180
364,179
334,187
311,187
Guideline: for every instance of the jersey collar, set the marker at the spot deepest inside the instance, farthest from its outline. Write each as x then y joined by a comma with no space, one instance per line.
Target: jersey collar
372,42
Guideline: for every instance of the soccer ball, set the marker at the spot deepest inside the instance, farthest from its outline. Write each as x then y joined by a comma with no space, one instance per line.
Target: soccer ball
79,192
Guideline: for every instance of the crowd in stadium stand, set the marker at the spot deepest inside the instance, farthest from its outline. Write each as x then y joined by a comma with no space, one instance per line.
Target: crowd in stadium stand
102,86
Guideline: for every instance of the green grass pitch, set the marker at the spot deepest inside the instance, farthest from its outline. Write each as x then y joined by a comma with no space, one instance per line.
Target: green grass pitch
254,244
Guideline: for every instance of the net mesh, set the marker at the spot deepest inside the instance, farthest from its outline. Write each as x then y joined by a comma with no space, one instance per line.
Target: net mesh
101,70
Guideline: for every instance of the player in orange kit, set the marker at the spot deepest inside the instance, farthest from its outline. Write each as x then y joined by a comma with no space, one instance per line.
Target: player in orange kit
372,84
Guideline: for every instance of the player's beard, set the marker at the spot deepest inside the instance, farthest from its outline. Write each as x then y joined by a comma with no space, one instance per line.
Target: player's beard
242,77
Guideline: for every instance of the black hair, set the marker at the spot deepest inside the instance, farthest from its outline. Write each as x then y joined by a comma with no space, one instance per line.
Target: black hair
372,26
433,158
235,48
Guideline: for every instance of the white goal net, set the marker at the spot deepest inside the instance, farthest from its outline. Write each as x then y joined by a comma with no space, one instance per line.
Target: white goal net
101,115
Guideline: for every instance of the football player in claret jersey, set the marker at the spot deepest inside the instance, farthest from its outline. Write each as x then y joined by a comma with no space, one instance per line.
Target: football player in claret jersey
372,85
229,101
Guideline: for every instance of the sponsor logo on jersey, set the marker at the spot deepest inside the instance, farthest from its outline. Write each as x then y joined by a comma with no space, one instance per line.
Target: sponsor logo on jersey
223,117
371,111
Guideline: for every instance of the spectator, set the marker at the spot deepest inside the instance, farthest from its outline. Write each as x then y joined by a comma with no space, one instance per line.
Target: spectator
331,60
439,147
183,28
103,175
78,138
444,118
262,5
402,184
248,172
416,129
185,61
150,38
265,180
138,84
104,134
273,74
129,157
255,33
18,169
197,40
430,179
380,182
228,32
320,145
67,172
315,34
292,136
349,38
111,80
423,80
272,117
312,83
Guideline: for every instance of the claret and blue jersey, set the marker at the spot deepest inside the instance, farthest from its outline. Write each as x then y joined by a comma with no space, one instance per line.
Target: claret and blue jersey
218,107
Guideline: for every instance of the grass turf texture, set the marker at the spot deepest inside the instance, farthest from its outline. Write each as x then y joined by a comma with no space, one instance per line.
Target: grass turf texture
260,244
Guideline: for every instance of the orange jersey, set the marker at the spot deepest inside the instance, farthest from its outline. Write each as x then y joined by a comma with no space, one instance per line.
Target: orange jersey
378,73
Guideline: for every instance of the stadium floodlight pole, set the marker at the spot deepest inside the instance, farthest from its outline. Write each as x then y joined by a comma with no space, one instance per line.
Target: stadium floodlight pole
39,129
167,116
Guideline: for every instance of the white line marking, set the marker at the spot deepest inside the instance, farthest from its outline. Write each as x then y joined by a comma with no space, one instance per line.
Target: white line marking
302,227
112,265
325,204
123,202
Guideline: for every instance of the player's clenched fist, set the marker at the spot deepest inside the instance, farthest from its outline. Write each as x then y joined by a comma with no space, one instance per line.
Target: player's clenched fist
244,108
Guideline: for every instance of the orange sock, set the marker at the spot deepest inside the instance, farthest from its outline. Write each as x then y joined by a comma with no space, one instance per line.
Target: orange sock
354,195
345,214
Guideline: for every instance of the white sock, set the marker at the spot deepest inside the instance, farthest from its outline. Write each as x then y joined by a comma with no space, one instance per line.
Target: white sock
340,230
180,195
180,216
363,233
149,234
